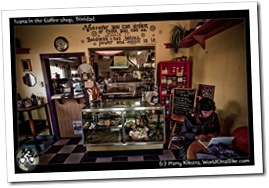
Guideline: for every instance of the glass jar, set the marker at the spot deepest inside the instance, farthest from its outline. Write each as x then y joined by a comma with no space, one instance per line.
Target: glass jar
174,81
169,81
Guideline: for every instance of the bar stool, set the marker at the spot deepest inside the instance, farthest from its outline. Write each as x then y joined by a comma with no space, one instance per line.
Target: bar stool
178,120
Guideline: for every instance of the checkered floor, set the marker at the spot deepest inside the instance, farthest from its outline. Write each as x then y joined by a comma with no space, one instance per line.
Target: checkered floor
71,151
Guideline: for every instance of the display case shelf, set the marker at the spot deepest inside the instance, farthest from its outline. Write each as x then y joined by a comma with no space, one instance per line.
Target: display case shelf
124,123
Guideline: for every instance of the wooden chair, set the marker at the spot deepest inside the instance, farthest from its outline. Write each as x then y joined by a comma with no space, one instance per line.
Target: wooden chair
178,120
180,102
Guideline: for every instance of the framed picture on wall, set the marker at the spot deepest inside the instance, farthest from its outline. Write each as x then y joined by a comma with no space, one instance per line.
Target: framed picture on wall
206,91
26,65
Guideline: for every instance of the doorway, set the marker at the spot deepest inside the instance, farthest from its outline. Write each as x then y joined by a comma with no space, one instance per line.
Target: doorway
48,82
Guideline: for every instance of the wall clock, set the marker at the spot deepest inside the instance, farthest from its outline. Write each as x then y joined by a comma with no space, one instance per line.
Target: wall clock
61,44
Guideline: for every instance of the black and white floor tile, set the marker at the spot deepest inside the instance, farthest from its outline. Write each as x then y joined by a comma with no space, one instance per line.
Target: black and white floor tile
72,151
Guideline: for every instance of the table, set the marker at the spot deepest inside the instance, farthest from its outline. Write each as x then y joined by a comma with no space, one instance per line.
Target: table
33,131
194,148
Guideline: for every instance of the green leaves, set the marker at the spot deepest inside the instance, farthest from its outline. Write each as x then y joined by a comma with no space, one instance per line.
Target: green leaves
177,34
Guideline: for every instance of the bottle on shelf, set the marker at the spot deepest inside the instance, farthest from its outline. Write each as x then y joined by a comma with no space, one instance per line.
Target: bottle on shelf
34,99
167,111
174,70
169,81
179,80
184,80
164,80
179,71
164,91
168,90
182,70
174,81
167,100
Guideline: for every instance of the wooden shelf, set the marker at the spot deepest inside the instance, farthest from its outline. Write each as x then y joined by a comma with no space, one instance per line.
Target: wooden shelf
23,50
25,129
207,30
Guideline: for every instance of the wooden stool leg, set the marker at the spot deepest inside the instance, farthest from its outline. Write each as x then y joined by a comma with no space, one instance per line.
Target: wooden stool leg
171,135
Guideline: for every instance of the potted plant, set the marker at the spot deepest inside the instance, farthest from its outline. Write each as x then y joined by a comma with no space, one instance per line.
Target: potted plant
177,34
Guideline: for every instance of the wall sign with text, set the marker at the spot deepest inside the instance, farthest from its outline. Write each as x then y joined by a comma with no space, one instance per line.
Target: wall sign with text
100,35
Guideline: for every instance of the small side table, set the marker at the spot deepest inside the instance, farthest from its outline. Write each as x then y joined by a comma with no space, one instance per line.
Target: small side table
33,132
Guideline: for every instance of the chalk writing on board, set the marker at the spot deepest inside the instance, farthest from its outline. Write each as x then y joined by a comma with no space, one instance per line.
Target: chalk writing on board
206,91
183,101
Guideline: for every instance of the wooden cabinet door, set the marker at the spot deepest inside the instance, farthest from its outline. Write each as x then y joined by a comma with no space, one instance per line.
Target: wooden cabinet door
67,112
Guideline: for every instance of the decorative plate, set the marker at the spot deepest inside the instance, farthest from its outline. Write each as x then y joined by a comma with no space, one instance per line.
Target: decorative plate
152,28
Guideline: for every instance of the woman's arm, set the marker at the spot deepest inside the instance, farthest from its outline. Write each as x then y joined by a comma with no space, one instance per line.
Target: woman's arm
216,125
187,130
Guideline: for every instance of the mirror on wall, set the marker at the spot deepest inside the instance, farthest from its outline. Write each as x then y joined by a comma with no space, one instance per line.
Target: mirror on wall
29,79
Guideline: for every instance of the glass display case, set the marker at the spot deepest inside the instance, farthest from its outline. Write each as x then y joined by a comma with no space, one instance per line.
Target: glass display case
123,122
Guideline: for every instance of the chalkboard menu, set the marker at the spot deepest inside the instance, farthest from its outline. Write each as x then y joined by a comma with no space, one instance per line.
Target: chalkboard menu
183,101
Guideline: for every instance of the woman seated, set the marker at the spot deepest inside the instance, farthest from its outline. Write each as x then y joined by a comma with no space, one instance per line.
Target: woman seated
203,124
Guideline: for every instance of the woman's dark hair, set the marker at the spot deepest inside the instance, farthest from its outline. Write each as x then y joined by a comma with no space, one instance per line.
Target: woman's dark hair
204,104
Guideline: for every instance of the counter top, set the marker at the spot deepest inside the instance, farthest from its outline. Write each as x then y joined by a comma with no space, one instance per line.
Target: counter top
61,96
121,105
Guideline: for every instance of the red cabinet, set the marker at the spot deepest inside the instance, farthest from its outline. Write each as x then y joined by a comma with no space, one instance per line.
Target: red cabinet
172,74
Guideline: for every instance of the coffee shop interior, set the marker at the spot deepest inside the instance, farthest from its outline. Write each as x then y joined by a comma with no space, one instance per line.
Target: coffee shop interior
105,92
